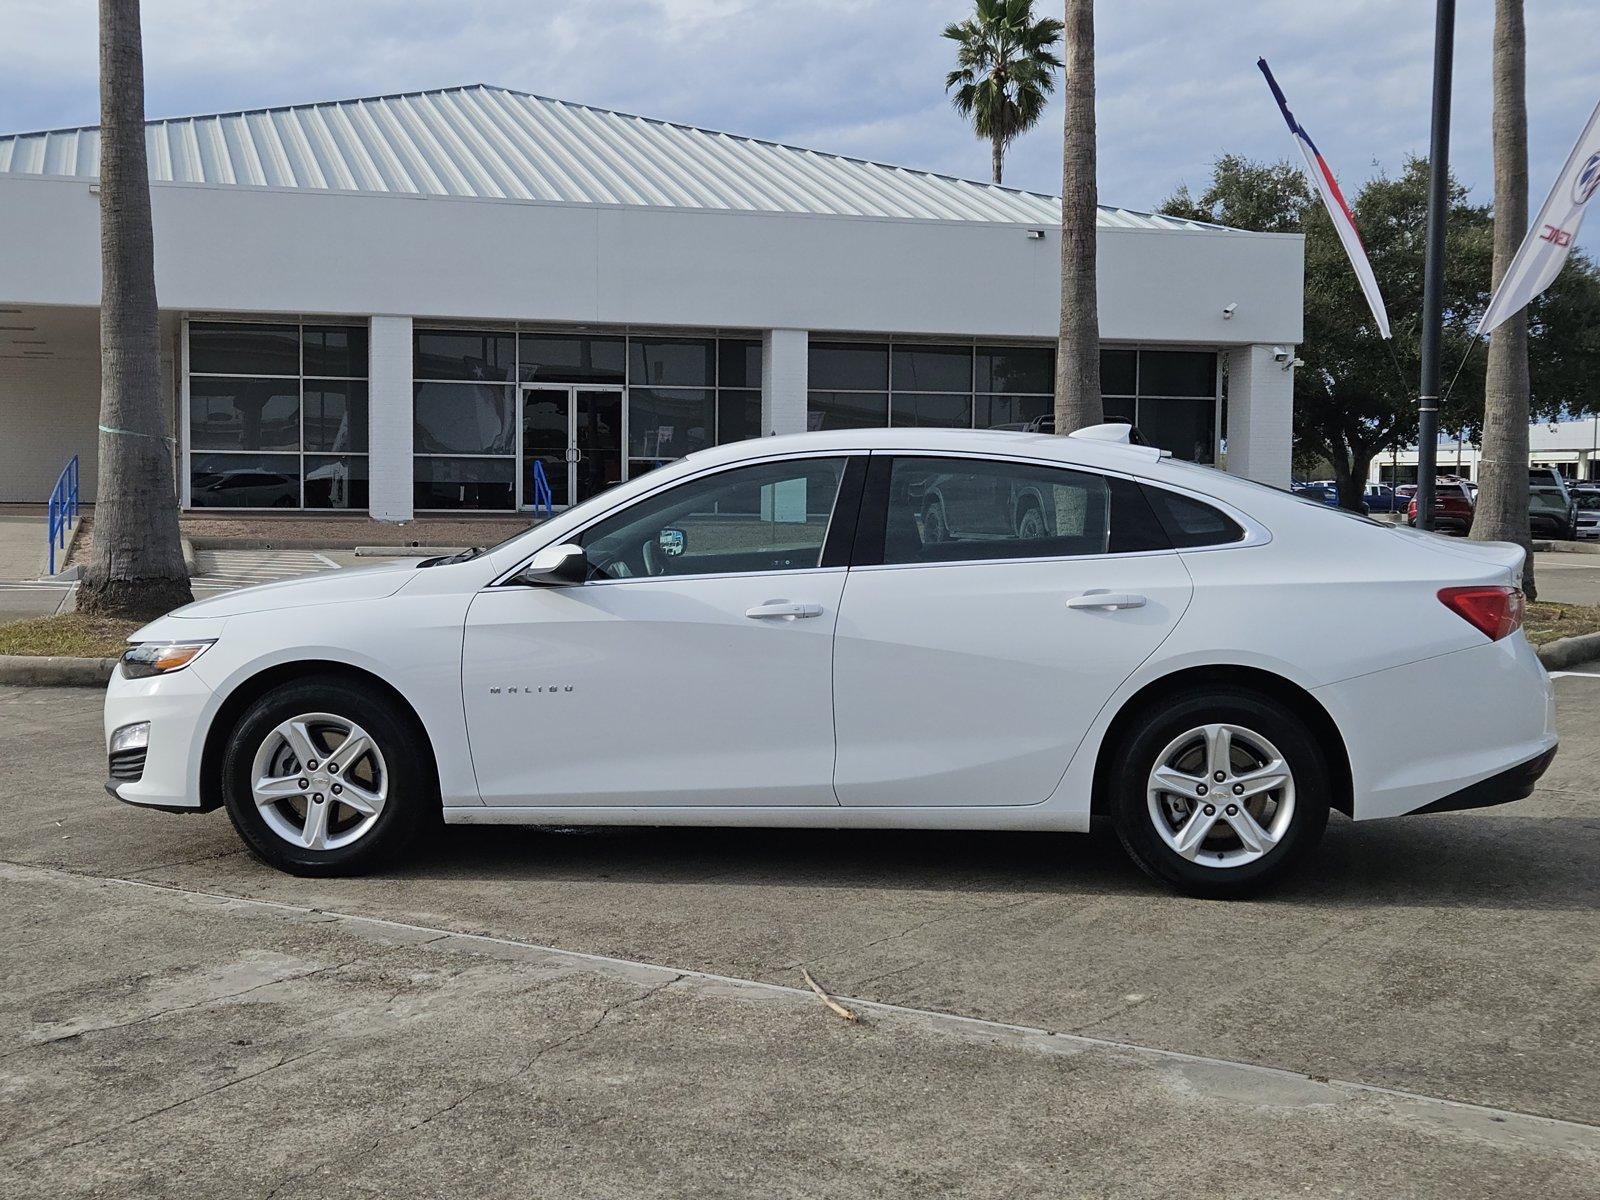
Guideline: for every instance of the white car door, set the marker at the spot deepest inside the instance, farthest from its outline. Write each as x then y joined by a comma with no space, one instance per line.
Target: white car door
975,648
694,668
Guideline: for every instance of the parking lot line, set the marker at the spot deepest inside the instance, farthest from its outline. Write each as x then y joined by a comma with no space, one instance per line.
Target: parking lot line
1485,1120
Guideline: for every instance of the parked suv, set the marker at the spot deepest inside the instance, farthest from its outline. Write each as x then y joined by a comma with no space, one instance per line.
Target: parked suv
1551,509
1452,507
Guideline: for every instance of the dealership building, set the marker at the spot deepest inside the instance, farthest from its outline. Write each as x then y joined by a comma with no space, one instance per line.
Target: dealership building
476,299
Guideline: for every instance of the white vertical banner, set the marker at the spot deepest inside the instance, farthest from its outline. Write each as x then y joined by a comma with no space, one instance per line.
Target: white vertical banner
1544,251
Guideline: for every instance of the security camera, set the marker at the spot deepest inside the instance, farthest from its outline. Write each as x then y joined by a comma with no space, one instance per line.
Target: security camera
1293,363
1228,310
1280,354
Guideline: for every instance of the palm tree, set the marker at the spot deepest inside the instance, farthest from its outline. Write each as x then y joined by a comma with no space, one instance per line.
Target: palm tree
1006,70
1078,402
136,566
1502,511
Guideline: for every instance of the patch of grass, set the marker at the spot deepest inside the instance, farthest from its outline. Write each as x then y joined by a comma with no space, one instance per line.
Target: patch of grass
71,634
1547,622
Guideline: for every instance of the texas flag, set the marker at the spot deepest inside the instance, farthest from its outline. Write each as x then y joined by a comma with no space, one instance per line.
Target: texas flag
1333,199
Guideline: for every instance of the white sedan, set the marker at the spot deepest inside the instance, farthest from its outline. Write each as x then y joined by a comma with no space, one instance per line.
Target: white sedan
930,629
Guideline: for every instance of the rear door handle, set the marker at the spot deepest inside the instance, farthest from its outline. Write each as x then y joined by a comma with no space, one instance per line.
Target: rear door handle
786,609
1107,600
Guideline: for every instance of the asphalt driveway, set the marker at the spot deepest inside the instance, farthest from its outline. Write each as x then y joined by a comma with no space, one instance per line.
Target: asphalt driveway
620,1013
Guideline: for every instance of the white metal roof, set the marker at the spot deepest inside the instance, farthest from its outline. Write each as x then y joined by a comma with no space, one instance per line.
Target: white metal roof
492,142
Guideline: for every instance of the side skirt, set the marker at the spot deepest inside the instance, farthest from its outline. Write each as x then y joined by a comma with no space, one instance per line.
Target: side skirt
1018,817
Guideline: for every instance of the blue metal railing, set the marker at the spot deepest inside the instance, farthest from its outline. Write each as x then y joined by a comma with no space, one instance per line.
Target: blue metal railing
541,489
63,509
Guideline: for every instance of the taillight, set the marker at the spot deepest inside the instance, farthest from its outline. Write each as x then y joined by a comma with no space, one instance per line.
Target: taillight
1494,611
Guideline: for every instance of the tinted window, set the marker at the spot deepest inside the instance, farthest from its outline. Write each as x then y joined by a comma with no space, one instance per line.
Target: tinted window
1190,523
464,483
244,414
1016,369
563,358
954,509
336,482
1177,373
451,355
849,366
932,369
1119,372
672,361
244,480
931,410
336,350
739,364
229,348
335,414
1184,427
847,410
764,517
668,423
738,416
464,418
996,411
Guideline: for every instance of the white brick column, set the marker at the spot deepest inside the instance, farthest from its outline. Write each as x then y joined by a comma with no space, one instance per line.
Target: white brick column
389,418
1260,415
784,369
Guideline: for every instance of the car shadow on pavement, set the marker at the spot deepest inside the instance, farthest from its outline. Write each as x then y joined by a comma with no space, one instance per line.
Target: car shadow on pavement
1466,860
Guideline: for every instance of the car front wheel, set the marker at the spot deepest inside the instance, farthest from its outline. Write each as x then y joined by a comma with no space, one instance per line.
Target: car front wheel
327,776
1218,793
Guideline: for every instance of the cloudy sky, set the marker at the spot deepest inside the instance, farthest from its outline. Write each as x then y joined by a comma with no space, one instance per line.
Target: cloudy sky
1177,84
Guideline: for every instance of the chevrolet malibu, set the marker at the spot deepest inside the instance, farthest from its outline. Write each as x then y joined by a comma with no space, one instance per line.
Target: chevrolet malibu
893,628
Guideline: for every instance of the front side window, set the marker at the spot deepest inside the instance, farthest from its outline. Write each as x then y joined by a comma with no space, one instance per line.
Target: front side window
958,509
763,517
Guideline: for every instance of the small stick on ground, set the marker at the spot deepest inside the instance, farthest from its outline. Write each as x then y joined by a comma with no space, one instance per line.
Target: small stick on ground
844,1012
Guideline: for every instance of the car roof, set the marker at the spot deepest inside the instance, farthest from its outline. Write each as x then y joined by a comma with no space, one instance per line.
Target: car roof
1080,451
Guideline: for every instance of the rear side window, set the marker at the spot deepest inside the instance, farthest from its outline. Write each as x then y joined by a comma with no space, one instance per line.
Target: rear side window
931,510
1189,523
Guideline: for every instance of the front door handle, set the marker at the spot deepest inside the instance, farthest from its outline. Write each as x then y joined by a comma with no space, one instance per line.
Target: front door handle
786,609
1107,600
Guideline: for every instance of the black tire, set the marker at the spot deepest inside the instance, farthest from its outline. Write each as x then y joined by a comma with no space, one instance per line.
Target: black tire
1151,732
413,797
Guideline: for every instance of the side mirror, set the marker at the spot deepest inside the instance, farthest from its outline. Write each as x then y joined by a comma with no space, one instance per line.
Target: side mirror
672,542
555,565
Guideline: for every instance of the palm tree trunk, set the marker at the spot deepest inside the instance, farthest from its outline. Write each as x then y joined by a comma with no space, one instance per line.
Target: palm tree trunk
136,566
1078,402
997,157
1502,511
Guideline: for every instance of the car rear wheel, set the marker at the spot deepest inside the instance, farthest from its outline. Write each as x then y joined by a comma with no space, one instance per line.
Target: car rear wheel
327,776
1218,793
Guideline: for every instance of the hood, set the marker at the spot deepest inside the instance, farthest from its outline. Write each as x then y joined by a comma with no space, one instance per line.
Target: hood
327,587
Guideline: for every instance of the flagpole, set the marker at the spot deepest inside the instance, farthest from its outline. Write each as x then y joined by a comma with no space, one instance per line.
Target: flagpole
1433,269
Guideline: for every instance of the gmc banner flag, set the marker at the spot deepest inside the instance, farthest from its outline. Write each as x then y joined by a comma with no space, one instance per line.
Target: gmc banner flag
1333,200
1544,251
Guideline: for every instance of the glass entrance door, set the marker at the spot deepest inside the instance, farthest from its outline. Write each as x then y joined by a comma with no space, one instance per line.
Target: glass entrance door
575,434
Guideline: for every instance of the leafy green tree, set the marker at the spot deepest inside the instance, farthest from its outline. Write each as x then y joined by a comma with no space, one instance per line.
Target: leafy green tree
1005,70
1355,397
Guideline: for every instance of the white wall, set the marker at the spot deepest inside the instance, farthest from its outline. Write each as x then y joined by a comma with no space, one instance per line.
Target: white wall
263,250
1260,415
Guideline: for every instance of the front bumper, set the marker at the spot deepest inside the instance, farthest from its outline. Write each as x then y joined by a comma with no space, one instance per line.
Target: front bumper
173,704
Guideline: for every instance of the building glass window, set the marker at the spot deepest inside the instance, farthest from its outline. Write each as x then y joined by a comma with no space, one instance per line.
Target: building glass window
683,394
263,399
1171,395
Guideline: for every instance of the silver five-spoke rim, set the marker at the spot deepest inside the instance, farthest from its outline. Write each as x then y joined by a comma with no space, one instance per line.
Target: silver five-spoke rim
1221,795
319,781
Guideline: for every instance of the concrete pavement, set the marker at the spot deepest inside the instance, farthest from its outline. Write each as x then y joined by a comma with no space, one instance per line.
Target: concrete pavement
179,1018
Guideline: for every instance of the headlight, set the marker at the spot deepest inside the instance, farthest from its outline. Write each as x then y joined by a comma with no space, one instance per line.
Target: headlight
160,658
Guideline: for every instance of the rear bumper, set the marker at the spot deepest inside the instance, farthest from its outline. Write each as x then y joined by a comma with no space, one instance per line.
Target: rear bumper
1499,720
1514,783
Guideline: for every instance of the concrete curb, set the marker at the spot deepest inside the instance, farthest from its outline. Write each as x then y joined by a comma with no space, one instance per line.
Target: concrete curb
23,670
1569,651
187,547
1542,547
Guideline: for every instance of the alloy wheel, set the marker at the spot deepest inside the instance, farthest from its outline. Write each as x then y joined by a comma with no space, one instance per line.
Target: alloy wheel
1221,795
319,781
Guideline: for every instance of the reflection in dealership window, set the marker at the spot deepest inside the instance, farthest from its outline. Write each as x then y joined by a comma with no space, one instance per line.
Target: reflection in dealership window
765,517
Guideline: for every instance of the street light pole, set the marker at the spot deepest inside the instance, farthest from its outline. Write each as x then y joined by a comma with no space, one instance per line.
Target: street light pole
1433,269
